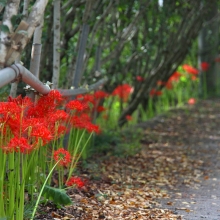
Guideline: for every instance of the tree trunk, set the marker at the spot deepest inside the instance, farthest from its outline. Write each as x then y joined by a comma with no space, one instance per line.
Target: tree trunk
56,44
208,50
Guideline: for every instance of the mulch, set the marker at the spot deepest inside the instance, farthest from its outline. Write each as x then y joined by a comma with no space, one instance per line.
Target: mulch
133,187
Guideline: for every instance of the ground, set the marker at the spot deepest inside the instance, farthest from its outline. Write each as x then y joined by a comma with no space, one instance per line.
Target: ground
175,175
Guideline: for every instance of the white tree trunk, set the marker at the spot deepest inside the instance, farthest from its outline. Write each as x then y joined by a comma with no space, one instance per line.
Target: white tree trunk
12,44
56,44
11,9
14,86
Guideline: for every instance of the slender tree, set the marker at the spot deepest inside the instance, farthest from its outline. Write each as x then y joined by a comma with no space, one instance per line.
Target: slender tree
56,44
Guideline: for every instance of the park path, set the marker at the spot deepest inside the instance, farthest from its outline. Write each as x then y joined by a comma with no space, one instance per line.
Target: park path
194,130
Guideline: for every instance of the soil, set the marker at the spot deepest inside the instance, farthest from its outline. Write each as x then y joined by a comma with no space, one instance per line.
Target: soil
175,175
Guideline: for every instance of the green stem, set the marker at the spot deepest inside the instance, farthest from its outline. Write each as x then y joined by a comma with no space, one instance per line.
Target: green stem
73,164
12,184
39,196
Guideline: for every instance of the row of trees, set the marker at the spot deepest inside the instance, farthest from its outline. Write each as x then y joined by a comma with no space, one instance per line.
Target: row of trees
121,40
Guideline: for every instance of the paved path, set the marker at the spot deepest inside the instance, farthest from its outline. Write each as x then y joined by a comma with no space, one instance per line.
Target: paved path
202,201
198,130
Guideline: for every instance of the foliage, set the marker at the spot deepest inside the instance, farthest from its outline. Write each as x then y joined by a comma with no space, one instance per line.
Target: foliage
120,143
132,40
58,196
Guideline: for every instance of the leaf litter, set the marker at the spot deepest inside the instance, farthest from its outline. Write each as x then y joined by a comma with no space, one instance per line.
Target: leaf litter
131,187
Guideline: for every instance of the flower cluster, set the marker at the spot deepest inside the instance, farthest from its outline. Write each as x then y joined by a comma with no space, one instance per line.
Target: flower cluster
123,91
62,156
33,125
75,181
193,72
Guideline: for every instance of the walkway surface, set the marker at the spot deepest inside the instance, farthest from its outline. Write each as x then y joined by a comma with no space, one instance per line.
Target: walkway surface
195,131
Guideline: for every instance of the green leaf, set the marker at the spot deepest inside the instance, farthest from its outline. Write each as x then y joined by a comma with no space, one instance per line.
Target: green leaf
58,196
4,28
13,20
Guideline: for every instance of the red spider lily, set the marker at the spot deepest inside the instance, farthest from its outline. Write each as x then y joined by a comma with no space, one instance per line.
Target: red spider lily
80,121
75,181
191,101
84,122
139,78
92,128
204,66
21,102
75,105
193,77
46,104
155,92
87,98
62,155
158,93
100,109
99,94
161,83
175,77
58,116
29,123
167,84
152,92
60,130
123,91
190,69
42,132
55,96
128,117
17,145
9,109
217,59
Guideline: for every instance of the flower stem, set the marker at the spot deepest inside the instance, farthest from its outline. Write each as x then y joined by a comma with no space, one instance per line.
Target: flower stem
39,196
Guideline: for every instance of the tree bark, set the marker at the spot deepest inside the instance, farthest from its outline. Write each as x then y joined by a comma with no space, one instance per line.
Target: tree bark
56,44
208,43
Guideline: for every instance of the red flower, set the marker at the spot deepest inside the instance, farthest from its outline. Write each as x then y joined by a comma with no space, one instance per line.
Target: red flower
18,145
87,98
217,59
204,66
99,94
191,101
80,121
155,92
158,93
92,128
42,132
161,83
75,181
21,102
193,77
63,156
100,109
128,117
175,77
152,92
123,91
139,78
75,105
169,85
46,105
190,69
